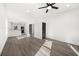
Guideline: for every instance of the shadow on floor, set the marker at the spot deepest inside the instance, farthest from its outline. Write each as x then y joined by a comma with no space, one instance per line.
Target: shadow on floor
22,47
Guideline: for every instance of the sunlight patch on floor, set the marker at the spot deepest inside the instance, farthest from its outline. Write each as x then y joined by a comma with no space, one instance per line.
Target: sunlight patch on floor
45,49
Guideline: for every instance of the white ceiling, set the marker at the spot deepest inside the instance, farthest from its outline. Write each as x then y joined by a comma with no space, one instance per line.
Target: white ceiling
31,9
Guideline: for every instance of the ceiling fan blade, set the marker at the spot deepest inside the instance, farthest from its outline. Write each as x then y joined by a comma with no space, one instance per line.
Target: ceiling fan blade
43,7
48,4
46,10
53,3
54,7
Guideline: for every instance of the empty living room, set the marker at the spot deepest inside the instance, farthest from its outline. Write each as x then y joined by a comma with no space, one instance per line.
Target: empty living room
39,29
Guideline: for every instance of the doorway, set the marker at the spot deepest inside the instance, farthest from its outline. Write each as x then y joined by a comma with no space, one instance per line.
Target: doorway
43,30
22,30
31,30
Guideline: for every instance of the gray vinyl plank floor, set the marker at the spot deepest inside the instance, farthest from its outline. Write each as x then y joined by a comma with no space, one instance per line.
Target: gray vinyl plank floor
61,49
29,46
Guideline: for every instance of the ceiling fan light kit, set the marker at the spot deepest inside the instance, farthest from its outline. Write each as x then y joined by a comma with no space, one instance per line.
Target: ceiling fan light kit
49,7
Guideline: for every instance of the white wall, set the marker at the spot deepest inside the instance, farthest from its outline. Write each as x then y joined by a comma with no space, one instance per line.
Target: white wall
38,30
3,33
64,26
38,26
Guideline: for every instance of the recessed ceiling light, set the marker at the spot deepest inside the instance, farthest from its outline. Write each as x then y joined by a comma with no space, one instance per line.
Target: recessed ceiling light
68,5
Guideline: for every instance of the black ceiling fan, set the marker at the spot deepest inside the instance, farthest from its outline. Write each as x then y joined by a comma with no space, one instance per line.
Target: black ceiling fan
49,5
